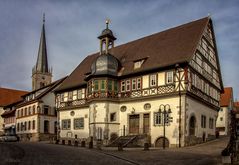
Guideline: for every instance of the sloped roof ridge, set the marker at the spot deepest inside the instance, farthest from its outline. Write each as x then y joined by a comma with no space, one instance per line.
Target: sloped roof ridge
161,32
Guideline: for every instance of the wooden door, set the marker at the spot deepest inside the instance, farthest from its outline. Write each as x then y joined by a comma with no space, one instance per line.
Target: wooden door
134,124
146,124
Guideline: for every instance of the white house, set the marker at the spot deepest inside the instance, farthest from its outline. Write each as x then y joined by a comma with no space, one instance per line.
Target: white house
224,114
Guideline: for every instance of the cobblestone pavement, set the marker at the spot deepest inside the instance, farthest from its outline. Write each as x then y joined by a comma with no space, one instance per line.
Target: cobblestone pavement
203,154
50,154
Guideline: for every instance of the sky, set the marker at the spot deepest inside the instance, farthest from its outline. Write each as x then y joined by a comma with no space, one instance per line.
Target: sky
72,27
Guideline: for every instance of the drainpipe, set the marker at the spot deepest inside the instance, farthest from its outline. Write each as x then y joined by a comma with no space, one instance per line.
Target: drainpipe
180,104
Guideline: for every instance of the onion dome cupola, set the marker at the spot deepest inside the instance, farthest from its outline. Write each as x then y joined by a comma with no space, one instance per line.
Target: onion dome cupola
106,64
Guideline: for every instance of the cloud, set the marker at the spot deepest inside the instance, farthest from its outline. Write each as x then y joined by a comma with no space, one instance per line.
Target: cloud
72,28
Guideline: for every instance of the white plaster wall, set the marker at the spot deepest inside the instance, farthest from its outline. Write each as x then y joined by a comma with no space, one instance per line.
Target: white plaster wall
145,81
197,109
156,131
161,78
81,133
26,119
224,122
51,120
100,119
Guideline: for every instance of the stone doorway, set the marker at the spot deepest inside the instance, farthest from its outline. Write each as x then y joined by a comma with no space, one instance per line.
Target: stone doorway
159,142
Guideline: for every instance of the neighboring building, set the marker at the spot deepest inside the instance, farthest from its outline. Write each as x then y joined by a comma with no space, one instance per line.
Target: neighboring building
224,117
9,118
8,96
36,117
124,90
236,109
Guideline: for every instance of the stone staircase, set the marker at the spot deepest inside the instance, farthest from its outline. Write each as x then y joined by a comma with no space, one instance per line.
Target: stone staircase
124,140
128,141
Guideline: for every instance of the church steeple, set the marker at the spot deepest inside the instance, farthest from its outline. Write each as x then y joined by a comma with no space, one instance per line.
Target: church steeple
41,75
42,63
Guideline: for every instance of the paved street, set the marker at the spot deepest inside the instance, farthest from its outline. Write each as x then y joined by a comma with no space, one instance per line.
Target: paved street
50,154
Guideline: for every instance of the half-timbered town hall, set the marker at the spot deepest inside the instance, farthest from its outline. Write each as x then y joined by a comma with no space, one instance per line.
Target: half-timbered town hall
163,88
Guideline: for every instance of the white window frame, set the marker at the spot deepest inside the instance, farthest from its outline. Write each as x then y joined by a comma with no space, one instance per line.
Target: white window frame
80,124
158,118
123,86
133,84
66,124
168,76
153,80
127,85
138,84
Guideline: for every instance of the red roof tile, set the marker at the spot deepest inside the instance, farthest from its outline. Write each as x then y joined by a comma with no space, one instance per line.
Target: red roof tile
8,96
226,97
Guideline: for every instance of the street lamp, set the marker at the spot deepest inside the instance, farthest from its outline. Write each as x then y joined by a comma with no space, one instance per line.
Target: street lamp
165,110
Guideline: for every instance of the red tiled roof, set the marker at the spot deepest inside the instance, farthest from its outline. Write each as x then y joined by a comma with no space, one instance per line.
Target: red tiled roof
8,96
226,97
167,48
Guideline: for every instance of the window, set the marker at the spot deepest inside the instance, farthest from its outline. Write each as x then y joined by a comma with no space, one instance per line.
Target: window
29,125
79,123
113,116
90,87
96,85
74,94
211,123
66,96
138,83
33,109
79,94
221,118
62,97
22,127
127,85
18,127
122,86
102,85
29,111
66,124
158,118
138,64
25,112
203,121
46,108
110,85
18,113
169,77
25,126
115,86
152,80
134,84
33,124
70,96
46,126
21,112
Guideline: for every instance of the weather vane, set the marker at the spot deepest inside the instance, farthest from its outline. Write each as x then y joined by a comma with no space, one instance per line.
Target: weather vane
107,21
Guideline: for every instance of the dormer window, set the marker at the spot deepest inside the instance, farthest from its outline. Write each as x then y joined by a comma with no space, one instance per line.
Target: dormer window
138,64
